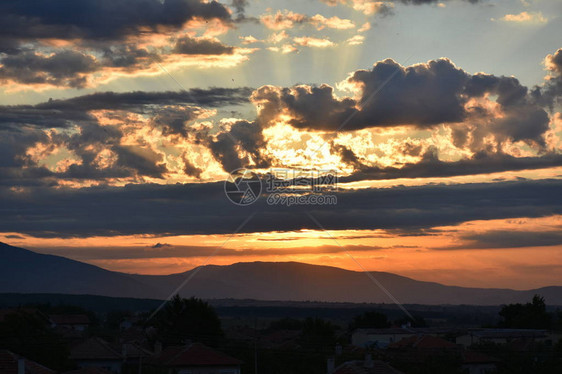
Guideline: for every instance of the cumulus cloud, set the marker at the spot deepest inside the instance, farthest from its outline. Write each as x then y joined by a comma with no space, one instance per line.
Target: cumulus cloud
422,95
242,134
551,91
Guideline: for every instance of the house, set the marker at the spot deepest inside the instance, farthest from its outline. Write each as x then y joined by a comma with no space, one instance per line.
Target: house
195,358
502,336
419,348
478,363
97,353
11,363
366,366
380,338
75,322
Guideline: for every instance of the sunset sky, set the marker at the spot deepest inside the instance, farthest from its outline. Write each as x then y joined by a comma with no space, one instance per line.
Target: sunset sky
121,119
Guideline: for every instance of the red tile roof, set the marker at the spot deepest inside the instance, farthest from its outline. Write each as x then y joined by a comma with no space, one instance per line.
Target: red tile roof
195,354
94,349
9,364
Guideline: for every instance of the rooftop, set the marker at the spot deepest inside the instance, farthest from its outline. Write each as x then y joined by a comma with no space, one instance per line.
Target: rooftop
195,354
9,364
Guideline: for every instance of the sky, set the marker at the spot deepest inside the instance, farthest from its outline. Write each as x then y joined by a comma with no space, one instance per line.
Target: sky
120,121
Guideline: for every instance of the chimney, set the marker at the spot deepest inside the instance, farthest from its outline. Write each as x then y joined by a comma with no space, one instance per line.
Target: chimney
157,347
368,361
21,366
331,365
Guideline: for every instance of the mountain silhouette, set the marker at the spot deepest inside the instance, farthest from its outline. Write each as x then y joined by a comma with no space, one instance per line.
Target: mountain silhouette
24,271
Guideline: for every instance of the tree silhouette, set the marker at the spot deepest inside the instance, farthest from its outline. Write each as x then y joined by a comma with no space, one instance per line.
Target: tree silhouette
532,315
192,319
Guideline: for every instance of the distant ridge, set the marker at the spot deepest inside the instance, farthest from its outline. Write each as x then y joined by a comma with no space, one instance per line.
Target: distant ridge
24,271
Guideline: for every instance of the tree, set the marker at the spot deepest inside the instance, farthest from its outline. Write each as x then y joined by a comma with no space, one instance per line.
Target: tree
532,315
373,320
318,335
188,319
29,334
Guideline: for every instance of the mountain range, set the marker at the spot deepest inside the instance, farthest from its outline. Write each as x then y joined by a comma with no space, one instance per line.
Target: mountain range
24,271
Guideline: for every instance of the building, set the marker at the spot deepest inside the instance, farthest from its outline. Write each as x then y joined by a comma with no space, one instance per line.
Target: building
75,322
503,336
11,363
478,363
366,366
97,353
380,338
195,358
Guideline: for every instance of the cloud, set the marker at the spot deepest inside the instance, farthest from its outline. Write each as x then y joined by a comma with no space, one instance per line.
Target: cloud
524,18
113,20
66,68
51,43
164,209
431,166
100,136
288,19
308,41
356,40
367,7
384,7
551,91
422,95
510,239
201,46
245,135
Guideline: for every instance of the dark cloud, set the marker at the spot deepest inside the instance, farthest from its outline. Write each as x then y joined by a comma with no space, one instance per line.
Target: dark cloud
137,100
25,126
510,239
242,134
177,209
311,108
128,56
192,46
174,120
422,95
161,245
430,166
144,160
183,251
106,29
99,19
64,68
